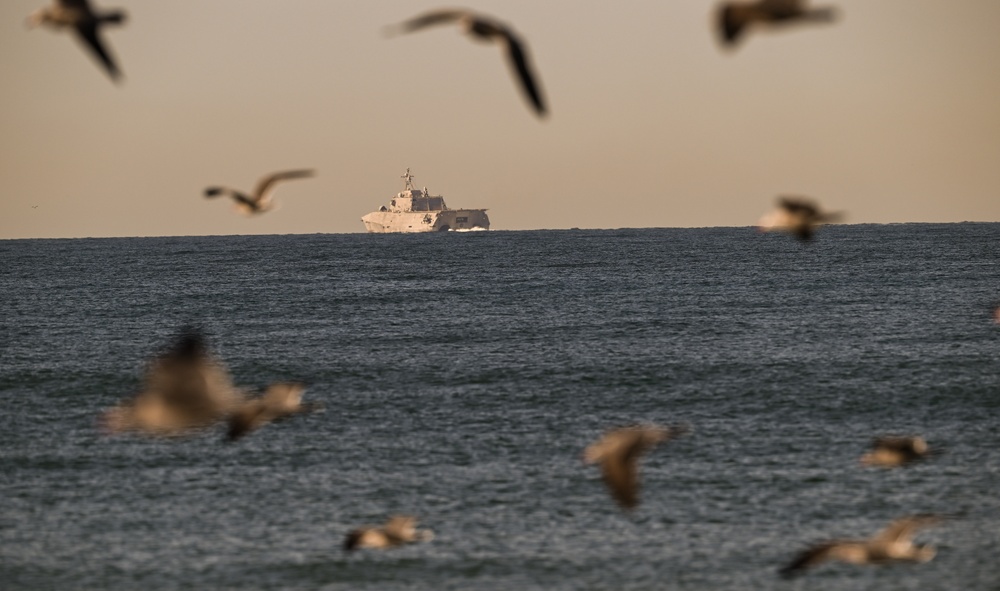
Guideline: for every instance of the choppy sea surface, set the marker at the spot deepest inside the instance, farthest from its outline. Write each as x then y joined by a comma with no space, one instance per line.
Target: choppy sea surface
462,376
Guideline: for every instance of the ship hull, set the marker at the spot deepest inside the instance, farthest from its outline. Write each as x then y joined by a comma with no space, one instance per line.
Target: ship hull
426,221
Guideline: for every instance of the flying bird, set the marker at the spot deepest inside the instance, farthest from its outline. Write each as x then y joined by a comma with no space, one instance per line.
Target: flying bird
185,389
893,451
618,452
735,17
892,544
278,402
398,530
484,28
79,16
260,201
796,215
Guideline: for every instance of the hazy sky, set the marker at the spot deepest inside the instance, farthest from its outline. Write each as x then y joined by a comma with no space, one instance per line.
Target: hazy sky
892,114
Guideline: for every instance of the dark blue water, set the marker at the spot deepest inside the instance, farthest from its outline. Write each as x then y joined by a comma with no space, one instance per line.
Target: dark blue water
463,374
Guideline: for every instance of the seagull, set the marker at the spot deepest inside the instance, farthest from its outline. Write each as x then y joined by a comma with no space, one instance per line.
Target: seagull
398,530
892,544
78,15
261,199
484,28
279,401
734,17
618,451
796,215
893,451
186,389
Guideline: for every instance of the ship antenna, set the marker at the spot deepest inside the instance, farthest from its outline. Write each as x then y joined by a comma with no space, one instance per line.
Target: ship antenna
408,178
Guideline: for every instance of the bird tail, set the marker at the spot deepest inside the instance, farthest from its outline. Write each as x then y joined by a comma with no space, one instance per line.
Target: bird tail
732,21
238,427
353,538
115,17
822,15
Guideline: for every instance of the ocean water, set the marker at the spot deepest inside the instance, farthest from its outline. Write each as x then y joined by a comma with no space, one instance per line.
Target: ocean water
462,376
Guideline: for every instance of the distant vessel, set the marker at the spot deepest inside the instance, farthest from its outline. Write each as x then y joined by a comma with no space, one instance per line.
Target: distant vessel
415,210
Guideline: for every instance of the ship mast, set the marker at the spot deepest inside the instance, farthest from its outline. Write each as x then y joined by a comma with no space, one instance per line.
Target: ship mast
408,178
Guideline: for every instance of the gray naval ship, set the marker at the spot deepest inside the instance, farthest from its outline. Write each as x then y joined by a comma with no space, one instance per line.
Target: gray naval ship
415,210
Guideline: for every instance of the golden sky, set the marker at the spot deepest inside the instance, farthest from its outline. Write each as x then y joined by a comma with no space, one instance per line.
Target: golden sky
891,114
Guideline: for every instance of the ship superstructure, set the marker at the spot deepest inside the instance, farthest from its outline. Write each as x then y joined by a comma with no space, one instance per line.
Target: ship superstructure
416,210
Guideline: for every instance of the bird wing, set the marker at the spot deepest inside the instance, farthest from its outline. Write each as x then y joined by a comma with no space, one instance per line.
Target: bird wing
184,388
732,20
277,402
400,527
200,387
219,389
434,17
819,553
804,232
88,33
266,184
238,196
905,528
76,4
622,478
618,452
893,442
175,379
244,419
518,57
780,8
798,206
189,378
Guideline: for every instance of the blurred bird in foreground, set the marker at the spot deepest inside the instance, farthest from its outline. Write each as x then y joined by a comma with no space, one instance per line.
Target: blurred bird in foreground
735,17
398,530
260,201
797,216
892,544
618,451
278,402
483,28
893,451
79,16
186,389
